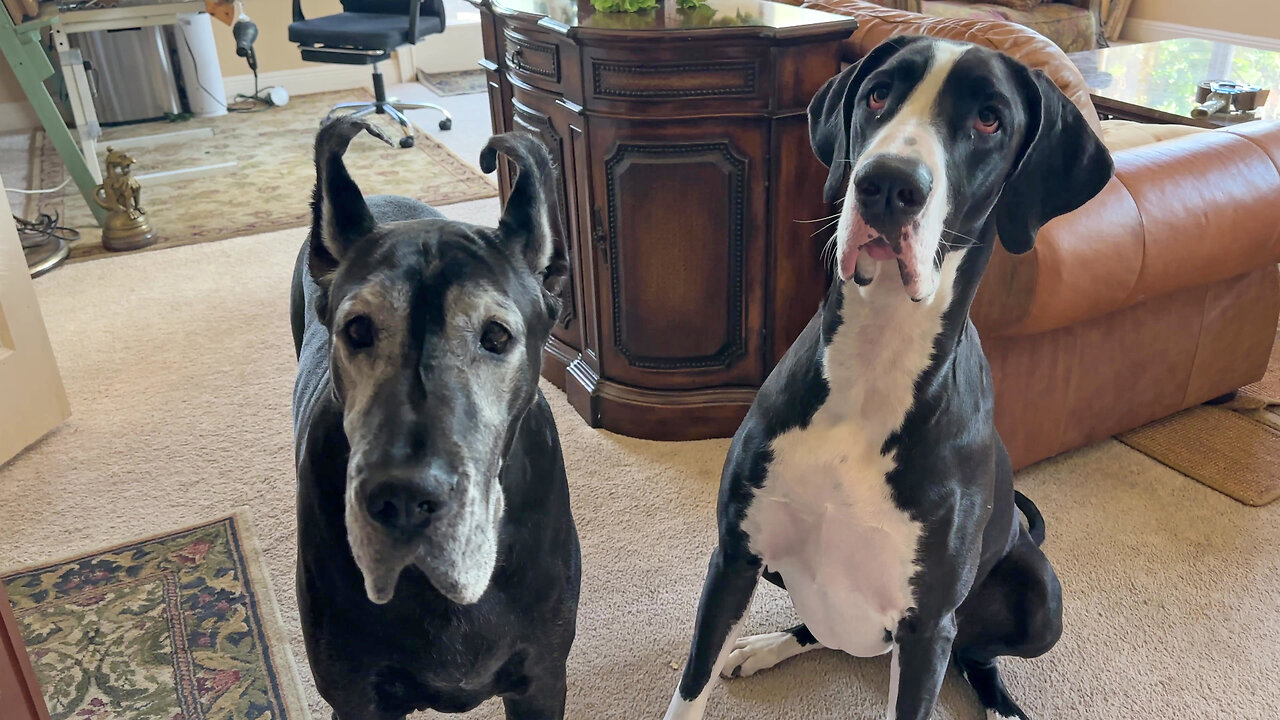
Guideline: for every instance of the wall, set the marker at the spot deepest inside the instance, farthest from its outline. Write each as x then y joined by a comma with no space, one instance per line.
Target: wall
274,50
1247,17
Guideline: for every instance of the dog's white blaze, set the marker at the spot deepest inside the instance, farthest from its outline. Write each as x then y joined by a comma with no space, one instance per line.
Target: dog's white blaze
760,652
824,517
681,709
913,133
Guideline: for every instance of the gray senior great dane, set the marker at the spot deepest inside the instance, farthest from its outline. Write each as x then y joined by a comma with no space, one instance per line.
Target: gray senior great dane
438,562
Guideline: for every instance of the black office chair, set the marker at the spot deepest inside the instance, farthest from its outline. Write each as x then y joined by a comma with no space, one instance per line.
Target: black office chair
366,33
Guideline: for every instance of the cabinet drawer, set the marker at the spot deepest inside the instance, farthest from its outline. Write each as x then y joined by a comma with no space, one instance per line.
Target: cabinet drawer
674,81
531,59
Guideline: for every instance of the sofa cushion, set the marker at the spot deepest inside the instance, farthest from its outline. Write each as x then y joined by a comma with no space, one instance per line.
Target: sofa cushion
1071,28
877,24
1120,135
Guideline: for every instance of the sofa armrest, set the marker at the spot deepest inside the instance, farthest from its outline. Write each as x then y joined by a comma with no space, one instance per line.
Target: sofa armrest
1180,213
877,24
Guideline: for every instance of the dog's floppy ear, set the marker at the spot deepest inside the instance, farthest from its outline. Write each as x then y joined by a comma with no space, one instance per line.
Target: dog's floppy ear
1063,164
831,111
531,220
339,215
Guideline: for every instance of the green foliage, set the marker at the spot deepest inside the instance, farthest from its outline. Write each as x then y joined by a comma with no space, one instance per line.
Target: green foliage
624,5
615,6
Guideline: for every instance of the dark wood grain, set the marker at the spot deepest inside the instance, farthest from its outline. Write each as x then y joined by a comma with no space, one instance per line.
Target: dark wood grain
20,697
687,175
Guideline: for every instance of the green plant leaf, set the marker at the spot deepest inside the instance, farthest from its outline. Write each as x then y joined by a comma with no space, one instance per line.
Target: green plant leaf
623,5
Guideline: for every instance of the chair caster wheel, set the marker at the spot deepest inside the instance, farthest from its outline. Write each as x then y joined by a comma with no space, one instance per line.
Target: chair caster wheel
446,124
406,142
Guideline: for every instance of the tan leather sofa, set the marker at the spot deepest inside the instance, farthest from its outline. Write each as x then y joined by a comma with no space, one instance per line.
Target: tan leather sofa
1157,295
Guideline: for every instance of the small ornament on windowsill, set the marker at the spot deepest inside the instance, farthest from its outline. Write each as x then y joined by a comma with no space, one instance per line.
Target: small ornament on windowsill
614,6
126,226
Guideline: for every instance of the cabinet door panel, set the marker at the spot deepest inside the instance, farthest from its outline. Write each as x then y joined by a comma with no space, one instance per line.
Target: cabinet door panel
537,113
683,255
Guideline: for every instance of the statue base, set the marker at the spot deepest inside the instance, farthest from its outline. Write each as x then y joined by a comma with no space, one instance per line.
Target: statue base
121,232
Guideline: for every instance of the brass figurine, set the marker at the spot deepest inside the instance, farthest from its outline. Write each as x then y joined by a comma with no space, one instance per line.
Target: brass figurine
126,226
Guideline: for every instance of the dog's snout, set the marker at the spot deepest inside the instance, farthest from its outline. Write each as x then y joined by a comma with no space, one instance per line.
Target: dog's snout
407,505
892,189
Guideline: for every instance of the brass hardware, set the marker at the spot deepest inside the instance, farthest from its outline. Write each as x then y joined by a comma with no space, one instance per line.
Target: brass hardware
598,235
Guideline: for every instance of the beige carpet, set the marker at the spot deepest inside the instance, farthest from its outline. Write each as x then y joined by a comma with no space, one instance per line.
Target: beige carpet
179,367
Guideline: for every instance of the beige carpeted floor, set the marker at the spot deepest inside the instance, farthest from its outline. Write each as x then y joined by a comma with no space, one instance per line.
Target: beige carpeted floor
179,368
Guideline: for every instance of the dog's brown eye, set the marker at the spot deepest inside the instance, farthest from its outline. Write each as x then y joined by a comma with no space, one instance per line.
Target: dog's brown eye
878,98
495,338
988,121
359,331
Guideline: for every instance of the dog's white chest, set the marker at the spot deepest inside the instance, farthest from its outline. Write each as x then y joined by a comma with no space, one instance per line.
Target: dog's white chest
824,517
824,520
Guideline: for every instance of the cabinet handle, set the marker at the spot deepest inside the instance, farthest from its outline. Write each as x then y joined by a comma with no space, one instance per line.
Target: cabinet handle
598,236
515,58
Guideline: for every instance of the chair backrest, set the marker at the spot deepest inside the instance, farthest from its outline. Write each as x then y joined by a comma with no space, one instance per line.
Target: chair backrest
392,7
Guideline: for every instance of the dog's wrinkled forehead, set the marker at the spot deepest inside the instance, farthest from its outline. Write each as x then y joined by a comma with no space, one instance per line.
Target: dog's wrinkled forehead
423,260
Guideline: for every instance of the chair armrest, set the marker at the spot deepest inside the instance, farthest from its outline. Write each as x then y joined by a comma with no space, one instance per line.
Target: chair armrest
877,24
297,11
1180,213
415,9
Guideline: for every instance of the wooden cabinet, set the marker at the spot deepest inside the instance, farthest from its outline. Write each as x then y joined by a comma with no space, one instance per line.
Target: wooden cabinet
686,177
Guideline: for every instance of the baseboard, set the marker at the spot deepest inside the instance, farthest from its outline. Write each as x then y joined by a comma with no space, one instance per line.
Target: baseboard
17,115
1142,30
306,80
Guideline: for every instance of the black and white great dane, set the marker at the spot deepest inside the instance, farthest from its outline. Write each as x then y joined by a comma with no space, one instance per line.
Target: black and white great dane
868,478
438,563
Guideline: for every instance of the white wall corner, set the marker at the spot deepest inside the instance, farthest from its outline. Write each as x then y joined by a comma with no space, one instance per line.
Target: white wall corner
17,115
1143,30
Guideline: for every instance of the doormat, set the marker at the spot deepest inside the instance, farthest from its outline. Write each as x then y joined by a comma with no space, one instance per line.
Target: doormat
1233,448
461,82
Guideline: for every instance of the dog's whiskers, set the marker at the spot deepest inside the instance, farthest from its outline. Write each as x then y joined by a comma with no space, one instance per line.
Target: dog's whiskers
824,227
834,215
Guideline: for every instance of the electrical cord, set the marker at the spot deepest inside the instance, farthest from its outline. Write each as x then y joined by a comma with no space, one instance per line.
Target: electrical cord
40,191
45,227
256,102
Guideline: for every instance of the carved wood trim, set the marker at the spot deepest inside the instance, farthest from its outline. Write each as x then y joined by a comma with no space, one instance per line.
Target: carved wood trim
664,82
735,166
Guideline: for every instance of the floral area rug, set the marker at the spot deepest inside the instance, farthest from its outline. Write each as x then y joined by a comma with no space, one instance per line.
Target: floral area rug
177,627
269,188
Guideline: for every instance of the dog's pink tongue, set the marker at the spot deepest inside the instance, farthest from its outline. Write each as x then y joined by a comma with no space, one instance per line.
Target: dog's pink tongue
877,249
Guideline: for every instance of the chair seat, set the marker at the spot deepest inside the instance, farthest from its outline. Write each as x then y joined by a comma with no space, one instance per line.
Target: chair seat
361,30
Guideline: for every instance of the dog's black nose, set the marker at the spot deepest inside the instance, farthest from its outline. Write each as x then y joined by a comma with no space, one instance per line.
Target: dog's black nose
891,190
406,505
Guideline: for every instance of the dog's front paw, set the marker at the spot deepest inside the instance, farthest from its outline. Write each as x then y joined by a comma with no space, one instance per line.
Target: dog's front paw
759,652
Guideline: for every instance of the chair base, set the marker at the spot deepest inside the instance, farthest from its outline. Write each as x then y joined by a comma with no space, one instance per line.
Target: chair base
394,110
382,105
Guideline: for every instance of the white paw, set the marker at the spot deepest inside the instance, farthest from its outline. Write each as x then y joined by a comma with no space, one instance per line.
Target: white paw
759,652
995,715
